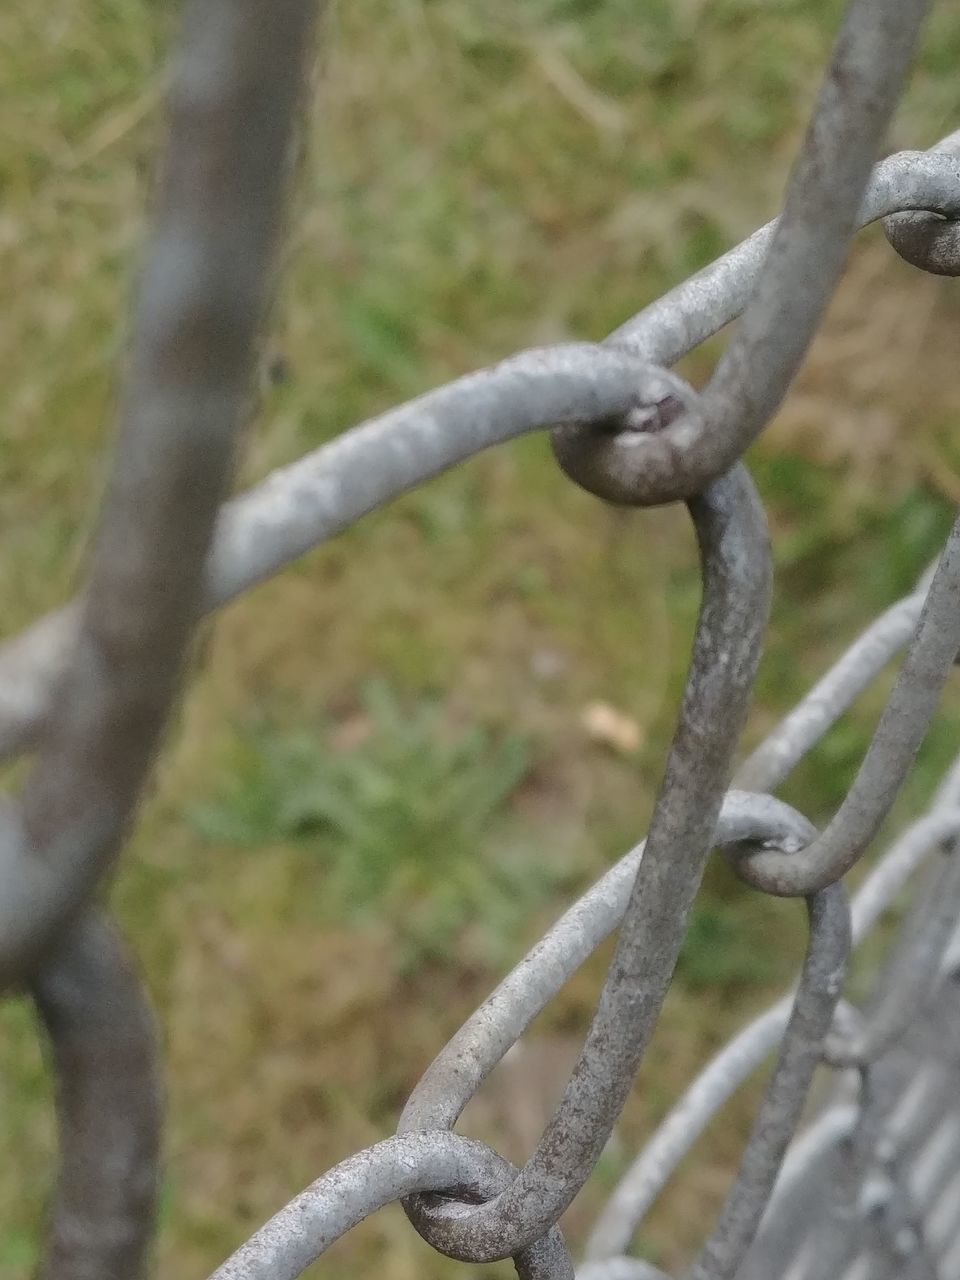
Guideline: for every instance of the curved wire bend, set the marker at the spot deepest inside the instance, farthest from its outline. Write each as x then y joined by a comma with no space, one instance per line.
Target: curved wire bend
801,263
891,752
300,505
617,464
735,1062
467,1059
930,241
104,1049
297,1235
736,576
437,1162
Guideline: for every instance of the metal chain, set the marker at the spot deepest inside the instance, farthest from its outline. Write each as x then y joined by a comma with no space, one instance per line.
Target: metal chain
735,566
873,1184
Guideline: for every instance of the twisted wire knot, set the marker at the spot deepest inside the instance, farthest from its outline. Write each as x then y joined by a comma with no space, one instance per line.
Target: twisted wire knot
929,240
609,459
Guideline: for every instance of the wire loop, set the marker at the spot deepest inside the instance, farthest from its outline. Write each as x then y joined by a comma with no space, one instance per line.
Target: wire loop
929,240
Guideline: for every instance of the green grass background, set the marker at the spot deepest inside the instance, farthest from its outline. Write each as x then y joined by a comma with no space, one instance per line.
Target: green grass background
380,789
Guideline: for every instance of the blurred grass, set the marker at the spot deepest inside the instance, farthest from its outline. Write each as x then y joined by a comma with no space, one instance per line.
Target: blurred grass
474,181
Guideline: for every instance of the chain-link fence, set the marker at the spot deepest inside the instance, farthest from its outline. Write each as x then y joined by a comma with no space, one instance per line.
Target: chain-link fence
872,1185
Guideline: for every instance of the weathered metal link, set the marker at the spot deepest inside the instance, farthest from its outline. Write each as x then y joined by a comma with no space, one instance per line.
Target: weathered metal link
701,306
464,1063
299,506
735,564
800,267
901,1138
104,1051
579,382
318,496
786,1093
930,241
619,466
901,730
441,1163
737,1060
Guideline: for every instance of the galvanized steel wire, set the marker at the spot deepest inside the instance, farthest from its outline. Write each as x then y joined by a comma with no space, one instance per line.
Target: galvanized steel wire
91,686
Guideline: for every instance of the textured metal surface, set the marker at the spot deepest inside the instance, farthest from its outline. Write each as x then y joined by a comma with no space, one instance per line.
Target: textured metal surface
871,1188
299,506
439,1162
929,240
103,1046
902,728
735,564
